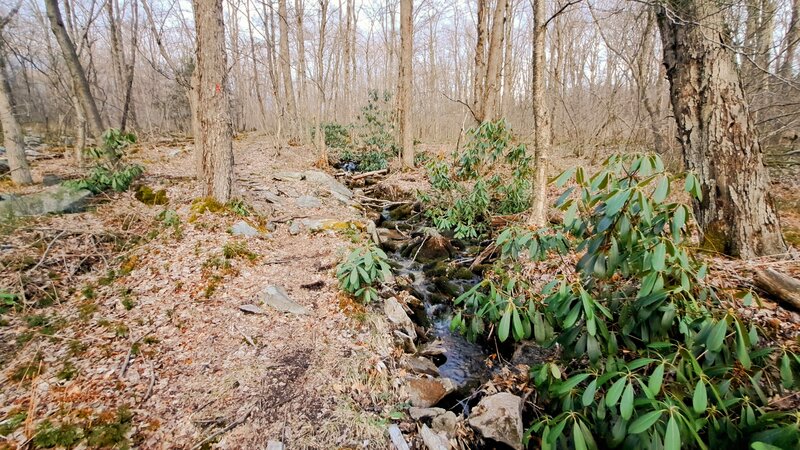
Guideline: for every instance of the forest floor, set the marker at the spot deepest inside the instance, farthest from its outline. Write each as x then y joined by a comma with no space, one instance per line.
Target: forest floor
131,330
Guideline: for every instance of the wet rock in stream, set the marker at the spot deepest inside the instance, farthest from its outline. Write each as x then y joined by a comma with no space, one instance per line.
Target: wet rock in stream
427,392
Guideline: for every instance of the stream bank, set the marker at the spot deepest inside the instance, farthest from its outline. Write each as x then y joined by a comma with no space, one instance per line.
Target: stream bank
450,379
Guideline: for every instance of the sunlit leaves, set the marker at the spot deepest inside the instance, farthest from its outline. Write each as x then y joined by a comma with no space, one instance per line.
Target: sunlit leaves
363,267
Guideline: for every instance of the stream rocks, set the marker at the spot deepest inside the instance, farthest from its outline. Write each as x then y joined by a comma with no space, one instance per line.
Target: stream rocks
397,316
499,417
426,392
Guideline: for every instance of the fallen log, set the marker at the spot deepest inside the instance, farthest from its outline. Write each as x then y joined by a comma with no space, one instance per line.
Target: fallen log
368,174
780,286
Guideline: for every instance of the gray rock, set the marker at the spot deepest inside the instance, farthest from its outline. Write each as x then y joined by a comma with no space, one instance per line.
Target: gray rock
295,228
288,176
397,437
307,201
276,297
424,413
397,315
445,423
433,440
50,179
271,226
426,392
252,309
274,445
59,200
404,341
420,365
337,189
272,197
499,417
242,228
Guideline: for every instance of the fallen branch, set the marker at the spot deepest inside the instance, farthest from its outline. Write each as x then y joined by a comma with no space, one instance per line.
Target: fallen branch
231,426
369,174
46,251
780,286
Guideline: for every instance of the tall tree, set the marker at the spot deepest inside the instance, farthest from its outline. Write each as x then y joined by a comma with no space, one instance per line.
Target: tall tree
541,118
716,131
213,105
12,132
79,80
404,81
286,68
488,110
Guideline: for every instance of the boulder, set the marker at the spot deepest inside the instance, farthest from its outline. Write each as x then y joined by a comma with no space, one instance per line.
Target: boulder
424,413
331,224
427,392
242,228
337,190
397,315
499,417
445,423
420,365
433,440
276,297
307,201
288,176
59,200
433,246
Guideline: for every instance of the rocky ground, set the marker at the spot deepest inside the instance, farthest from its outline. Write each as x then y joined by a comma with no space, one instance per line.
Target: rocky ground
168,326
179,323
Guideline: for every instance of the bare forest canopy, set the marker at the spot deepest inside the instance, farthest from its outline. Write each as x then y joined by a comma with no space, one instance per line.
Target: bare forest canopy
605,82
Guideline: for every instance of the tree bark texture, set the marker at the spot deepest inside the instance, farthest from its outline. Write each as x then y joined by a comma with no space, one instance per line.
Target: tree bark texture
541,118
404,85
12,132
716,131
80,82
213,105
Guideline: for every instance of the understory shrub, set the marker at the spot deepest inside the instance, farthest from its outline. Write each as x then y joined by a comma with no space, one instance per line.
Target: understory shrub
489,176
362,270
367,144
651,355
110,171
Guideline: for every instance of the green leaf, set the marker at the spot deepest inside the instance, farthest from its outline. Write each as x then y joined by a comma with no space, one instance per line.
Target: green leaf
678,220
717,336
643,423
568,385
660,194
700,397
563,177
505,325
577,436
656,378
588,395
626,406
617,201
519,332
612,397
659,257
672,438
787,378
742,349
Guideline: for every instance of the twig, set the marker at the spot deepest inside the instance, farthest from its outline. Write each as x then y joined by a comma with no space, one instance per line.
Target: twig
127,361
231,426
152,382
46,251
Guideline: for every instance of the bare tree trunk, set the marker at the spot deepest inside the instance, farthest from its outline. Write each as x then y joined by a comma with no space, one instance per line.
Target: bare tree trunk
286,68
719,141
213,107
75,69
322,151
128,111
478,91
488,112
301,62
12,132
641,77
404,82
541,119
792,36
256,84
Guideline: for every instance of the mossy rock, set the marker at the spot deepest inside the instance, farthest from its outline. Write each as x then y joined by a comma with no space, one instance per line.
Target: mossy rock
446,287
146,195
401,212
461,273
435,269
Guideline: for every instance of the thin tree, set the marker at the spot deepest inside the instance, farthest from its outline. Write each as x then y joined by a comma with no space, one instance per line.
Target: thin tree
213,105
80,83
716,131
541,118
12,132
404,81
286,68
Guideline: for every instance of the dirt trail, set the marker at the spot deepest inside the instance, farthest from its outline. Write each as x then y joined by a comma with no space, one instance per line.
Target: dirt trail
198,366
